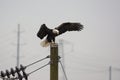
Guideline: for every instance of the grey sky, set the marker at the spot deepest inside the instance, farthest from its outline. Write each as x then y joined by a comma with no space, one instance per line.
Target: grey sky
94,49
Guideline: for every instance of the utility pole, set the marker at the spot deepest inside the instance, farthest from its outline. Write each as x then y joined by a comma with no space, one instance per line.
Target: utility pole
110,73
54,61
18,46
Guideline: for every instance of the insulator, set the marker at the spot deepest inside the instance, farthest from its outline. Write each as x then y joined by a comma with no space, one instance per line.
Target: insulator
12,72
19,76
7,73
17,69
25,75
22,67
2,74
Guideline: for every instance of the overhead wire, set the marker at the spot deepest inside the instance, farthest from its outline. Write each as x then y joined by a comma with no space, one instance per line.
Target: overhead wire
39,68
38,61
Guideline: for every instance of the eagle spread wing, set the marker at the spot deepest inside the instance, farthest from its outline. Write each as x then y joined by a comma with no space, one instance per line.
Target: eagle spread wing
42,31
69,27
52,33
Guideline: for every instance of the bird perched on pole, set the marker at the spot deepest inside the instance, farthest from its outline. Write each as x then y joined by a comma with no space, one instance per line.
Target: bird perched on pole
52,33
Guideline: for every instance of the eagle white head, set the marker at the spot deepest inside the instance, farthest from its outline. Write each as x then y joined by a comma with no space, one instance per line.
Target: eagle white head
55,31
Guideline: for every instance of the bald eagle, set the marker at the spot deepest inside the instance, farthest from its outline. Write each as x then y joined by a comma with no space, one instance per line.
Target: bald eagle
52,33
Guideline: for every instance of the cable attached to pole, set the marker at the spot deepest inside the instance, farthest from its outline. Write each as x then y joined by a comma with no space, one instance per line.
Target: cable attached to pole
39,68
37,61
63,70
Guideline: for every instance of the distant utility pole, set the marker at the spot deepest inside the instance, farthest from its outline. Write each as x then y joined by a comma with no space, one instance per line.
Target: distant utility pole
110,73
18,46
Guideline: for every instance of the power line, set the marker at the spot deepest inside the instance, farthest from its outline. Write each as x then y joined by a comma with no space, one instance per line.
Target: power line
39,68
38,61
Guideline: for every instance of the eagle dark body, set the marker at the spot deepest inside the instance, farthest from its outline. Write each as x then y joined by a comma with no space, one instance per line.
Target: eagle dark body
52,33
43,31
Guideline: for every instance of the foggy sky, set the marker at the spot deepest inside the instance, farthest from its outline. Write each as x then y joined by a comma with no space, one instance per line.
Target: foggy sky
88,54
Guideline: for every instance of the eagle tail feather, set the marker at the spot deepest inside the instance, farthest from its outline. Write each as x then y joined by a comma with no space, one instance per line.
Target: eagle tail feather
45,43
